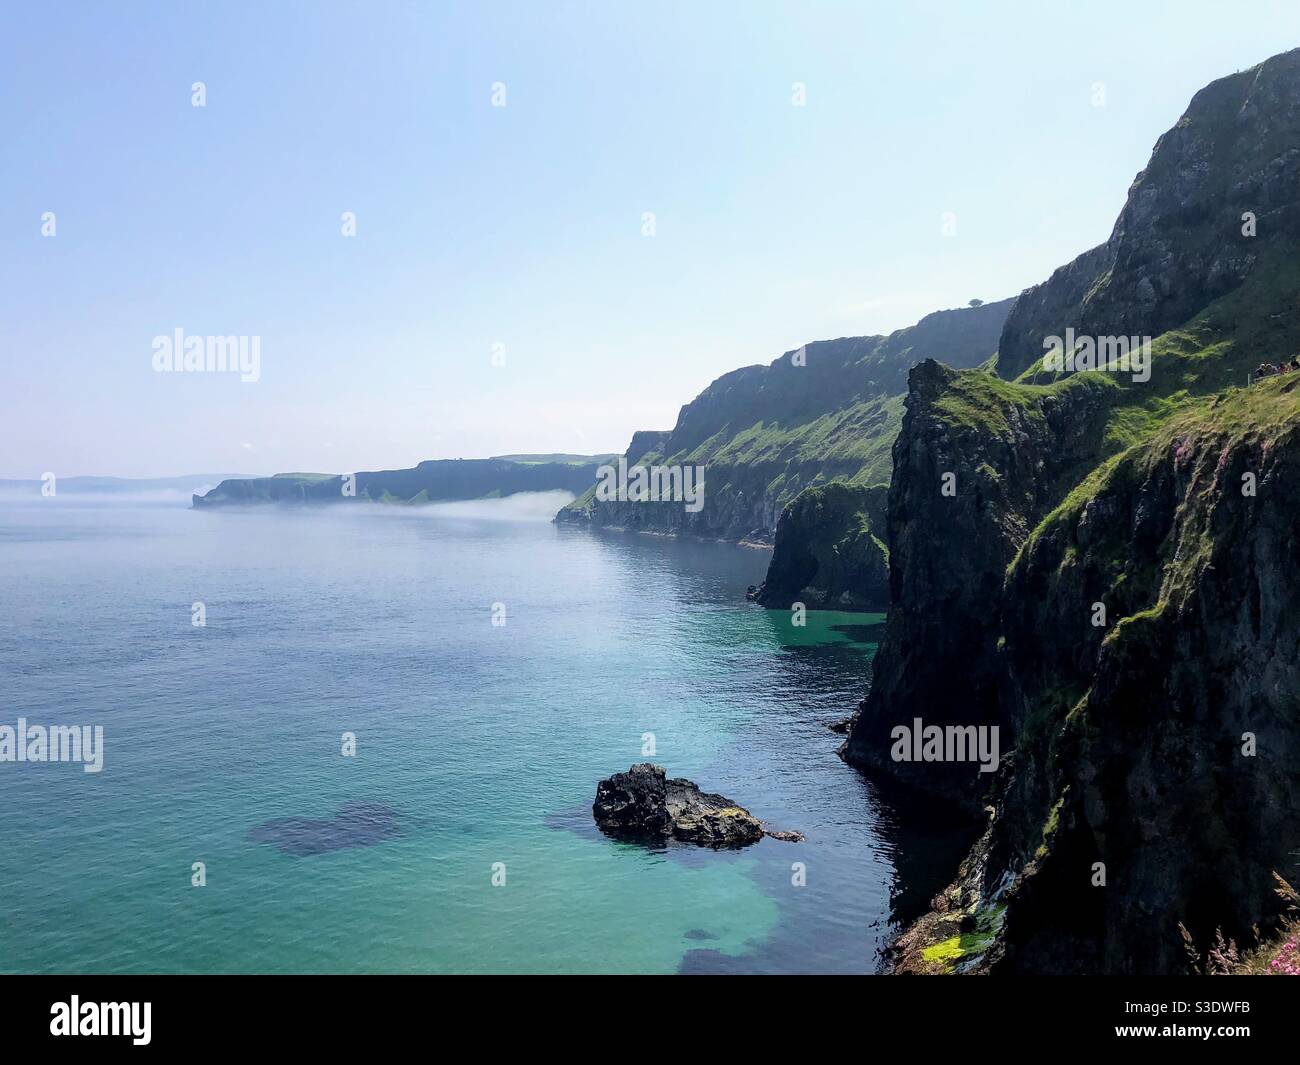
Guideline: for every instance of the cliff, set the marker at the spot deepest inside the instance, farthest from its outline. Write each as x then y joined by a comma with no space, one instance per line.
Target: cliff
431,481
1178,244
1156,773
1102,569
828,552
828,411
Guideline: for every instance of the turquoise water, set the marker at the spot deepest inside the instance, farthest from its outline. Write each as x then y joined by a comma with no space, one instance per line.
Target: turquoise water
476,744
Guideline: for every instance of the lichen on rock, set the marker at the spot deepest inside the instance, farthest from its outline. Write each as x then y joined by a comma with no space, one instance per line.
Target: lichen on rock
644,805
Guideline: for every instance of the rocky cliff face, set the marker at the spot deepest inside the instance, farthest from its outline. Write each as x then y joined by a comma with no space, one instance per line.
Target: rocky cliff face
1179,763
828,411
1215,211
1148,673
1179,243
828,554
1110,582
977,464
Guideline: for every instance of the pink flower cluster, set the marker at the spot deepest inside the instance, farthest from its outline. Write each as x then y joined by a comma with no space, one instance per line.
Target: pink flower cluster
1287,962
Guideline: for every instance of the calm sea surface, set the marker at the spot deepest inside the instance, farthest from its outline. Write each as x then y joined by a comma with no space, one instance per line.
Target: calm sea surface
477,746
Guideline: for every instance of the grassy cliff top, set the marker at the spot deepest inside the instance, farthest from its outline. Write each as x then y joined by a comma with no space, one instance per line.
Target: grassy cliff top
559,458
1191,365
1259,416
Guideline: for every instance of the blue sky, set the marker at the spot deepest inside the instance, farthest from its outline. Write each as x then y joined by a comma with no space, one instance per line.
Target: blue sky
522,225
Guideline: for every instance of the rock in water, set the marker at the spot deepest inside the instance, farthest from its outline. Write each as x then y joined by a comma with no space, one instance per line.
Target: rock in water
643,804
634,804
709,820
785,837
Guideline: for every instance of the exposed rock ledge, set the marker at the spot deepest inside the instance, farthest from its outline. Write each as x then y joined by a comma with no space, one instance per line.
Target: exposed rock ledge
643,804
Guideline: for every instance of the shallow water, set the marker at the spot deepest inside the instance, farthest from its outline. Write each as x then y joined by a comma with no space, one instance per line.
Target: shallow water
478,747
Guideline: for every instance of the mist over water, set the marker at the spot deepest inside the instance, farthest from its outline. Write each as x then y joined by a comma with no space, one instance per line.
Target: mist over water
476,745
524,506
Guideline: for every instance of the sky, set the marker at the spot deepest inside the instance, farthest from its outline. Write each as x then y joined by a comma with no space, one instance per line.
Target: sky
504,291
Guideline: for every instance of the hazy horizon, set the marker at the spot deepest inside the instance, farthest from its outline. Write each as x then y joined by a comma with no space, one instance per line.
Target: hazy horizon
186,474
504,291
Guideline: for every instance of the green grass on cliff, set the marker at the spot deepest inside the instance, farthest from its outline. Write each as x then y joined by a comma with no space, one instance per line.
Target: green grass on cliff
851,513
561,458
1196,409
860,434
766,433
1216,350
1212,427
1194,368
853,444
1264,409
980,400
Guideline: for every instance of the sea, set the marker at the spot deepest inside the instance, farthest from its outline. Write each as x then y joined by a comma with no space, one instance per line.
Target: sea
363,738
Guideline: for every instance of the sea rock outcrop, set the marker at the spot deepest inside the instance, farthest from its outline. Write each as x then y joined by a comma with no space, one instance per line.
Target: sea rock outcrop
830,552
643,804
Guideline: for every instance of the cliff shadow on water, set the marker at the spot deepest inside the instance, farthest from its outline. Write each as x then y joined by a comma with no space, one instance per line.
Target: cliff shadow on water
915,835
